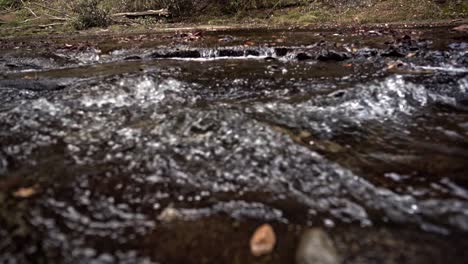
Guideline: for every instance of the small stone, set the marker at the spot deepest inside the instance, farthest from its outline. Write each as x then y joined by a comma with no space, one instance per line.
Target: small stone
316,247
169,214
226,38
263,240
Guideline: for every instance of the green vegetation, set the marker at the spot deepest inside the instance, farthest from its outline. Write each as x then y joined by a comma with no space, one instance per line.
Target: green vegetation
90,14
85,14
9,4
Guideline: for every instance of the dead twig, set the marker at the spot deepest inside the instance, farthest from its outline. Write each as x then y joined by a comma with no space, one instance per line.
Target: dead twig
52,17
50,25
29,9
161,12
29,20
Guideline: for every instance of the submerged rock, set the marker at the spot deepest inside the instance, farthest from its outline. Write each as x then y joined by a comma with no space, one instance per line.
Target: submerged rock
176,54
331,55
303,56
393,52
316,247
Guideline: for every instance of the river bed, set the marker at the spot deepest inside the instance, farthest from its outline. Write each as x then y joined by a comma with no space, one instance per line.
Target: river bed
362,133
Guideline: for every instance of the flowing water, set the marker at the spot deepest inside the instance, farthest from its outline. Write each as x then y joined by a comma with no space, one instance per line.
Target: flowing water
363,133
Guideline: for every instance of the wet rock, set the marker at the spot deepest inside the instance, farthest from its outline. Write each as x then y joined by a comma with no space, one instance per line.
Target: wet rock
263,240
133,58
303,56
270,59
393,52
463,60
230,53
459,46
374,33
34,85
331,55
252,53
461,28
169,214
316,247
395,64
227,38
366,52
281,52
177,54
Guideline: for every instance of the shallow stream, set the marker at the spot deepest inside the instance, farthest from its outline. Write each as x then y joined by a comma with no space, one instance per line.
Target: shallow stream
363,133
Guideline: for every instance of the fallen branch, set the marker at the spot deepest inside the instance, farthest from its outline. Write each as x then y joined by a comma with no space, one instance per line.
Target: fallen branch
29,20
161,12
50,25
56,18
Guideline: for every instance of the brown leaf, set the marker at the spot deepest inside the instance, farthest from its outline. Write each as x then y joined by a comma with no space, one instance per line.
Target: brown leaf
263,240
249,43
25,192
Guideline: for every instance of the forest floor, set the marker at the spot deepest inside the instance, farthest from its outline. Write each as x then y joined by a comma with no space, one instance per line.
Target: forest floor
35,19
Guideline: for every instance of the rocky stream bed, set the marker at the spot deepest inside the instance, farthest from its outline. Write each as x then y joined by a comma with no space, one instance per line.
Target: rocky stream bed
362,133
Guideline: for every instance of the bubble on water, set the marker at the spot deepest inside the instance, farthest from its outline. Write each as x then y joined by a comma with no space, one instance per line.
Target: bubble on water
144,91
353,107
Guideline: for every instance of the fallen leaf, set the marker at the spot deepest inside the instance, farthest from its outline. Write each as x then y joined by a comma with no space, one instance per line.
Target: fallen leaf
263,240
25,192
249,43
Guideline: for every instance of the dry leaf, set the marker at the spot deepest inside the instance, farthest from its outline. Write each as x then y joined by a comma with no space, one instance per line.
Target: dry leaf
25,192
249,43
263,240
